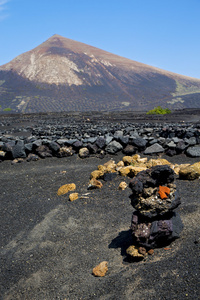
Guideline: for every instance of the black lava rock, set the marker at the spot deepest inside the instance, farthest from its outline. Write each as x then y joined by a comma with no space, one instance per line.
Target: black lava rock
92,148
156,233
18,150
109,176
129,150
140,143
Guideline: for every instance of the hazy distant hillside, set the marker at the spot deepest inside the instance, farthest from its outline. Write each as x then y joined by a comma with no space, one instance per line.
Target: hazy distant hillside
65,75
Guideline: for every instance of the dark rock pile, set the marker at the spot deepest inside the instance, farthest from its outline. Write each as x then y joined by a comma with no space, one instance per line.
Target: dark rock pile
51,138
154,196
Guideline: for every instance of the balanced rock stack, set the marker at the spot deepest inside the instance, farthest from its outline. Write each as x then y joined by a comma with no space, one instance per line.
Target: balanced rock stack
154,196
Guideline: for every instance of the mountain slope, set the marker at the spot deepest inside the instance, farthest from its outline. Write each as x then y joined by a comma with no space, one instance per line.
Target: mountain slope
65,75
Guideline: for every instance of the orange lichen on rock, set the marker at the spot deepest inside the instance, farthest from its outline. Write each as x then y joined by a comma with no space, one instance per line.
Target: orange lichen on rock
164,191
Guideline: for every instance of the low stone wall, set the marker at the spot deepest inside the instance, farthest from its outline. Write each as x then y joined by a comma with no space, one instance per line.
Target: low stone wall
47,139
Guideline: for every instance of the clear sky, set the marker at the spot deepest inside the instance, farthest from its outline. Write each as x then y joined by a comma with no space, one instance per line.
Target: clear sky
160,33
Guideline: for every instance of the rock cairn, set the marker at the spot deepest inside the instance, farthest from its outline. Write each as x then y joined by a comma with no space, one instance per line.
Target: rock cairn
154,196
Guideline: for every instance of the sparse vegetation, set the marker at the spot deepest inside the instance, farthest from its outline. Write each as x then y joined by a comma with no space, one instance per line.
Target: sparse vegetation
159,111
7,109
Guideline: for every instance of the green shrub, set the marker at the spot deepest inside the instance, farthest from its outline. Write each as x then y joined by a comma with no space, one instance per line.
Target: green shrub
159,111
7,109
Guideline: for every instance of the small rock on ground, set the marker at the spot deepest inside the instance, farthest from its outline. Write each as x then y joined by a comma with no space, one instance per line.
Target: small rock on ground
101,269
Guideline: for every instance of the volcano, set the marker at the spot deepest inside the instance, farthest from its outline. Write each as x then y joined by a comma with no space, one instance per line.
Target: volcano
66,75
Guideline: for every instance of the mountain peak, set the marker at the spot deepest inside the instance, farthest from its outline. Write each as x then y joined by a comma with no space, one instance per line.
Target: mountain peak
75,76
56,37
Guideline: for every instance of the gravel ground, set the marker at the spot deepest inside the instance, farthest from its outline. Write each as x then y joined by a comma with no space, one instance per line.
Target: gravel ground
50,245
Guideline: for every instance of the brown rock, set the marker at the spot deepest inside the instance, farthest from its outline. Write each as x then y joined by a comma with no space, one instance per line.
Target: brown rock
17,160
126,171
176,168
122,186
64,189
108,167
119,165
94,184
102,168
84,152
111,161
155,162
2,154
136,157
133,252
127,160
142,160
111,168
65,151
137,169
182,166
131,171
73,196
142,251
190,172
101,269
96,174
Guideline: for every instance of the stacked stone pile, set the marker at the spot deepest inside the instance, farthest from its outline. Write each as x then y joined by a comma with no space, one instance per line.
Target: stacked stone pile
154,197
48,139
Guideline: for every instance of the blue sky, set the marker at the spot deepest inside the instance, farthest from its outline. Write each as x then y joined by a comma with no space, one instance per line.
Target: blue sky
160,33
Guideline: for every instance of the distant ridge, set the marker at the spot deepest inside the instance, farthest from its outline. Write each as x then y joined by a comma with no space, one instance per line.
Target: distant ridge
66,75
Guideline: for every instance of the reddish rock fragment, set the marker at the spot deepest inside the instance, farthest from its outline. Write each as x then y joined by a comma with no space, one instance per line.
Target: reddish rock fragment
164,191
151,252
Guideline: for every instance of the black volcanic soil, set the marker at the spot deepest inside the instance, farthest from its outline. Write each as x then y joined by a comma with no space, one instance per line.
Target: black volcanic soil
50,245
184,115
